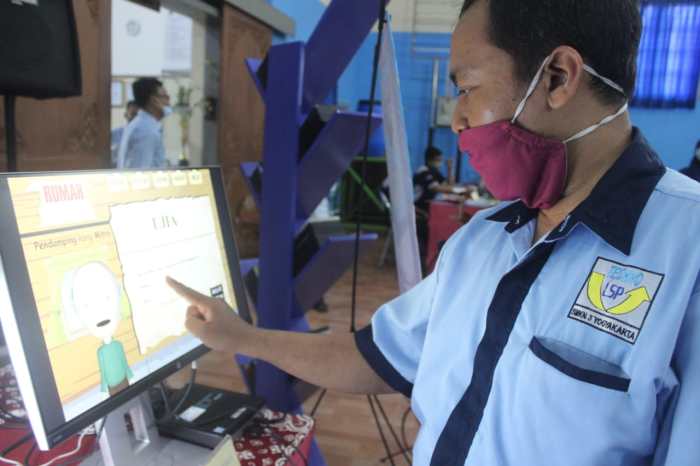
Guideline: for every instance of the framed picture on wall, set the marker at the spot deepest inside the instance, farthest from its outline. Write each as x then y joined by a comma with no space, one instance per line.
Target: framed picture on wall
117,93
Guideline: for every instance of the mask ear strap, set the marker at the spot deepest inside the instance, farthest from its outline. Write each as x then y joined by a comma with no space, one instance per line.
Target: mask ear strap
607,81
602,122
531,89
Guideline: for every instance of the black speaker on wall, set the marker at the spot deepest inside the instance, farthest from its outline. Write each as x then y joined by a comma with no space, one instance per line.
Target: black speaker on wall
39,57
39,54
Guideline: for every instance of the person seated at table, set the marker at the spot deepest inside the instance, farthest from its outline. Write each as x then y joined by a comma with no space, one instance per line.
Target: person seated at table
428,183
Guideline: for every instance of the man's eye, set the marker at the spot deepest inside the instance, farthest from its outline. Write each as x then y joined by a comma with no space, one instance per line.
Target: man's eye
462,91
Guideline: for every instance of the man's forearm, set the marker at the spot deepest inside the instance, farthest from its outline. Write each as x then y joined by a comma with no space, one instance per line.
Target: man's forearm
329,360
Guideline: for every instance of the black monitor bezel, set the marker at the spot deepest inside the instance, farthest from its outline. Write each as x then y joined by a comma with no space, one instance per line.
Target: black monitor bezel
55,425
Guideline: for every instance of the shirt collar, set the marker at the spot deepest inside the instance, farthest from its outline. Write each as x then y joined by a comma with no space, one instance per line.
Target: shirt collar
614,207
149,119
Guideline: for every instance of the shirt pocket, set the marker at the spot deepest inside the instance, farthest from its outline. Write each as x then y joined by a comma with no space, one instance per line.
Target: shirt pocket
577,364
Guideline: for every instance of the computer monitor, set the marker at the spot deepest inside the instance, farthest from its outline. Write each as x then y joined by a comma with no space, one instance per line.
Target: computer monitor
88,318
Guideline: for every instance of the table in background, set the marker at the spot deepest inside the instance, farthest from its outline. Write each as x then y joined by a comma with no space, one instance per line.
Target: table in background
444,218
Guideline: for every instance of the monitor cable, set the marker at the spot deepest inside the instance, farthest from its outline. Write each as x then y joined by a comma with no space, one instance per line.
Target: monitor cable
14,446
170,413
30,436
92,451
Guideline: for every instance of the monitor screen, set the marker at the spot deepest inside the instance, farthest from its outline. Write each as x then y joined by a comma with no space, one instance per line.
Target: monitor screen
87,315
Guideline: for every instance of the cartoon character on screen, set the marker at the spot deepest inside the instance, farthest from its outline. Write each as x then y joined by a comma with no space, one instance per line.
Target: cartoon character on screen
92,294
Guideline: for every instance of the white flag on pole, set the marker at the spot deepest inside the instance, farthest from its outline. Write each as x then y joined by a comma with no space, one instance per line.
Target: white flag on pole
403,216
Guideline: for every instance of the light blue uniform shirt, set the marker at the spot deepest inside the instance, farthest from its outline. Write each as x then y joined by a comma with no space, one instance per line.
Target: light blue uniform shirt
116,139
142,143
581,350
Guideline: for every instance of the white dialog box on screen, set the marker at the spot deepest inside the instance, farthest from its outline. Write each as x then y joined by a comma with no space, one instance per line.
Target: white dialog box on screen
167,237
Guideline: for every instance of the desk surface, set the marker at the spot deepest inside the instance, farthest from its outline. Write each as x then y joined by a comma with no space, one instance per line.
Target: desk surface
266,447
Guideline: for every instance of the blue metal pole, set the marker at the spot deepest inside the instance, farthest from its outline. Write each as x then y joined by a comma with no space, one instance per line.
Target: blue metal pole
276,293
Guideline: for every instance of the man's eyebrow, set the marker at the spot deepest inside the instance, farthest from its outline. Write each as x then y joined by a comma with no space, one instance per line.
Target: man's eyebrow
460,72
453,78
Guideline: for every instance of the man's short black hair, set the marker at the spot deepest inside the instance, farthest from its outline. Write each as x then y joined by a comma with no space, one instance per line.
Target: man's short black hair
131,103
605,32
432,153
144,88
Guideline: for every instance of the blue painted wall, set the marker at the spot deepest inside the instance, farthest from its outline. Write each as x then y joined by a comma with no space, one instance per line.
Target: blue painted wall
416,75
672,133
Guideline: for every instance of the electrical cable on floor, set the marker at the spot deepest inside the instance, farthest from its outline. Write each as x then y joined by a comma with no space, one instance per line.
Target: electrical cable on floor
15,445
92,451
381,431
402,447
30,452
9,461
359,195
318,402
21,441
164,396
359,200
403,429
70,453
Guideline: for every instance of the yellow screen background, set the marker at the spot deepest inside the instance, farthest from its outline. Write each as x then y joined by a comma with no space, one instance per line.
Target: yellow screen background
51,252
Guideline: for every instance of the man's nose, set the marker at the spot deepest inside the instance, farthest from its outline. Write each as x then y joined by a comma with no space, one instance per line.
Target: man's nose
459,119
459,123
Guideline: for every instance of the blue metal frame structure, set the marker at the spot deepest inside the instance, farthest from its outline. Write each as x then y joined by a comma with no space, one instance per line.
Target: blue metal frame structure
300,166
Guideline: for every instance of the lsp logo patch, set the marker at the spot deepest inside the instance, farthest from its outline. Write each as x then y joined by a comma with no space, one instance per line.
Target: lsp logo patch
616,299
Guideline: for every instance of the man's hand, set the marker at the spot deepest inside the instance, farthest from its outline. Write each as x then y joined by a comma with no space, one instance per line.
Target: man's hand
330,360
212,320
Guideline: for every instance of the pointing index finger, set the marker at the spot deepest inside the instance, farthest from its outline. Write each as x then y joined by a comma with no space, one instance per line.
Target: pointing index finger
186,292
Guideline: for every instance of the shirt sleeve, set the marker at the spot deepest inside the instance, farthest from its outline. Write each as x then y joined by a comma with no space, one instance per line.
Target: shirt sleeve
143,150
439,177
679,440
393,343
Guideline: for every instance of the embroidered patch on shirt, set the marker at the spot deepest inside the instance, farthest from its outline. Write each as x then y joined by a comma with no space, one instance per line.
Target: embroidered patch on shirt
616,299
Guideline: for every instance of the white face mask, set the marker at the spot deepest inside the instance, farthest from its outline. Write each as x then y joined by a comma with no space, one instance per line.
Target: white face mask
167,111
590,129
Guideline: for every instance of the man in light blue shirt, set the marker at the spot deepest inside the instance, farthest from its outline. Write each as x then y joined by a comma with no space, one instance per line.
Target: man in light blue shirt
142,142
566,333
118,133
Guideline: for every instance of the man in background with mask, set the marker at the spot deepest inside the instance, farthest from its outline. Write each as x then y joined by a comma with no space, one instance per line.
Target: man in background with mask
142,143
561,327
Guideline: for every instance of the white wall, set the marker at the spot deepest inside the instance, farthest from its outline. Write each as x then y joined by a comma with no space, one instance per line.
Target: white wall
171,47
428,16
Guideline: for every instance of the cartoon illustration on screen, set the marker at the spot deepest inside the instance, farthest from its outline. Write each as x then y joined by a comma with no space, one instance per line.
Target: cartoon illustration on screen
91,296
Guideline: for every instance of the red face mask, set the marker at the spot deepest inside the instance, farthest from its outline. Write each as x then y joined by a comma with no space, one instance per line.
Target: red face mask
518,164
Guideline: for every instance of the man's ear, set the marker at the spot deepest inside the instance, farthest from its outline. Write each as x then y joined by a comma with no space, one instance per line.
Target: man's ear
564,75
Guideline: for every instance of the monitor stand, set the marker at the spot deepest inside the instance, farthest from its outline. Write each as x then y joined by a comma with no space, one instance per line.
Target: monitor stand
141,444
